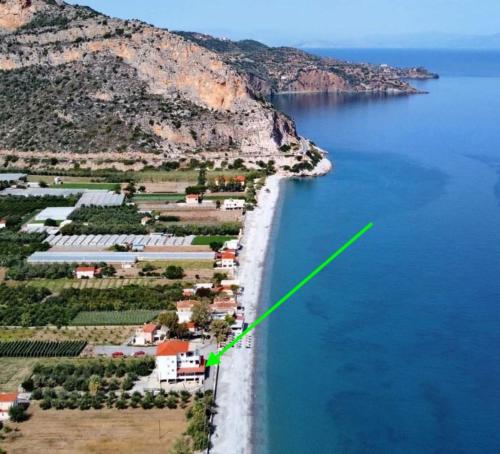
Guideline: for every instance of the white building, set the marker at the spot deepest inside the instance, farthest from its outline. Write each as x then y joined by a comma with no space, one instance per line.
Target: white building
7,400
86,272
174,362
185,310
227,259
3,223
233,204
192,199
232,245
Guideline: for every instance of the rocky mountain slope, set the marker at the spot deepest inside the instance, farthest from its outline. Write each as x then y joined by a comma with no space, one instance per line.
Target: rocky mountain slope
81,88
284,69
74,81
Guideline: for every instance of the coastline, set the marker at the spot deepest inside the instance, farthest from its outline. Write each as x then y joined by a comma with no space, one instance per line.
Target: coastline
233,421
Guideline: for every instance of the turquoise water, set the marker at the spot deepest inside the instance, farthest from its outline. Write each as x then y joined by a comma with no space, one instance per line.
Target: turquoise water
395,348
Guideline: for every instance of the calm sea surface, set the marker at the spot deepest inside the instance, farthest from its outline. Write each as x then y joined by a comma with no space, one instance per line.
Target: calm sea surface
395,348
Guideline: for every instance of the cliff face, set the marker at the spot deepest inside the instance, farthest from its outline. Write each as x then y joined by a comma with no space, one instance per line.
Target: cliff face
283,69
75,81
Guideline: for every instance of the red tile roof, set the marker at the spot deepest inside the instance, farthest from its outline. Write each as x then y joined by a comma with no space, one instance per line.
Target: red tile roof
149,328
85,268
228,255
171,348
8,397
191,325
187,304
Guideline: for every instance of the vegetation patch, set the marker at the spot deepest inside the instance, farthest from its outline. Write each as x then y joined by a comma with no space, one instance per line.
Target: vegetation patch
135,317
39,349
207,240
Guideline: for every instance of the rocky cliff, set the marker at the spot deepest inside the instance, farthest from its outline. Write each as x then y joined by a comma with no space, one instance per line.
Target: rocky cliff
75,81
271,70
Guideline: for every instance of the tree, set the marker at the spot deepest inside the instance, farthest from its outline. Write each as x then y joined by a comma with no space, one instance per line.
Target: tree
174,272
219,277
181,446
201,314
94,384
216,245
17,413
50,222
170,320
220,328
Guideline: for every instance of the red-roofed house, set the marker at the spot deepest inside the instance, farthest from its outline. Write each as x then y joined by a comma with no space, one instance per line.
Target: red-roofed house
192,199
227,259
223,307
175,362
87,272
149,334
7,400
3,223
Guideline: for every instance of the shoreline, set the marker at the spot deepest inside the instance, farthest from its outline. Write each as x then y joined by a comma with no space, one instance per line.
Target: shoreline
233,421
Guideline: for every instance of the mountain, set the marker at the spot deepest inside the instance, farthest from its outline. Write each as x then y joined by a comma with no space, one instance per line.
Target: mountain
78,88
272,70
412,41
73,82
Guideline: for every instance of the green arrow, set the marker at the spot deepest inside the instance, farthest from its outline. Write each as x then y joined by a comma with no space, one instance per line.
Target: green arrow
214,358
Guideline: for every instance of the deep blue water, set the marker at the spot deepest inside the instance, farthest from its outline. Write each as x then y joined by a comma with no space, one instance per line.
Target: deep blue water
395,348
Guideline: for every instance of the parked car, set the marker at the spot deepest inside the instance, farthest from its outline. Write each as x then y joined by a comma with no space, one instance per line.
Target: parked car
117,355
140,353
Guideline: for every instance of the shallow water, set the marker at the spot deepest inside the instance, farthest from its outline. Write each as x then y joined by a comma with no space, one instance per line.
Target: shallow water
396,346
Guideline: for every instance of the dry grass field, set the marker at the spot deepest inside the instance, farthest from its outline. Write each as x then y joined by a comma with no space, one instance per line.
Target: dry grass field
114,335
131,431
13,371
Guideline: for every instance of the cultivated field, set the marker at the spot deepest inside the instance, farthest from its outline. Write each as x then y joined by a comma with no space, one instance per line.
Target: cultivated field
13,371
133,317
131,431
114,335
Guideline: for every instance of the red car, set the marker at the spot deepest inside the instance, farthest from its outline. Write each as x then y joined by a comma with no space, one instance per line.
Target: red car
140,353
117,355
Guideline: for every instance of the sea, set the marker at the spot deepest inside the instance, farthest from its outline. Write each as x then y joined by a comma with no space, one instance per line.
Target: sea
395,346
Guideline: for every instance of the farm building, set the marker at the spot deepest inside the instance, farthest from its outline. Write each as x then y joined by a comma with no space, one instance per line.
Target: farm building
41,192
115,257
106,241
56,213
87,272
101,198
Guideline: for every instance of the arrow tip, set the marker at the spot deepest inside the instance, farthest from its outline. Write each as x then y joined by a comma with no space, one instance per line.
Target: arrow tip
213,359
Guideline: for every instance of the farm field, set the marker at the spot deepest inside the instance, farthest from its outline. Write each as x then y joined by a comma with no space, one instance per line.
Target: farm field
131,431
113,335
41,349
158,197
56,285
13,371
205,240
132,317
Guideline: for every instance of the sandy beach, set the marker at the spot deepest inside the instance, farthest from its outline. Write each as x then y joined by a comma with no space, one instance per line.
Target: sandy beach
234,396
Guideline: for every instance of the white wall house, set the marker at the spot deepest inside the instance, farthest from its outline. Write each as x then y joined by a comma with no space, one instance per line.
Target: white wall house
227,259
185,310
86,272
7,400
233,204
174,362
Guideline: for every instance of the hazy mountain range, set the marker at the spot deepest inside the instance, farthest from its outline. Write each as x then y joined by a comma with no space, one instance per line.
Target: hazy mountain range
417,40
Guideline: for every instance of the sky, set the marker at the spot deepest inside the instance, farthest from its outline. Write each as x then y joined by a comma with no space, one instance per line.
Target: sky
292,22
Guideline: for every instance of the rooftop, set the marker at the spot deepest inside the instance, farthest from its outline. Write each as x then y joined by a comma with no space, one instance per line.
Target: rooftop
149,328
172,347
8,397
